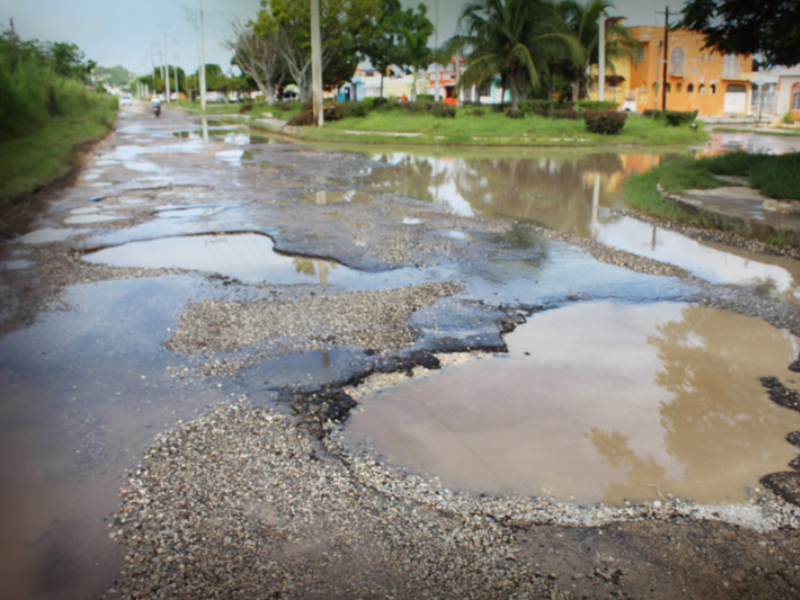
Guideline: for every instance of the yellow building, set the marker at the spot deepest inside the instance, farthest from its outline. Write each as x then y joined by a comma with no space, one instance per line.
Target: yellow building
698,79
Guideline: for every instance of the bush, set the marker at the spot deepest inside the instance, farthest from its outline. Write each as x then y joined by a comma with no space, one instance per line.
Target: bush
353,110
565,113
543,108
245,108
597,105
515,114
674,118
606,122
425,97
477,112
444,111
306,117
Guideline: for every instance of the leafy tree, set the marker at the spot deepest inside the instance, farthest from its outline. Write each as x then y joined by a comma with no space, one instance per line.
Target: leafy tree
504,37
771,27
416,29
582,22
68,60
343,24
383,47
257,56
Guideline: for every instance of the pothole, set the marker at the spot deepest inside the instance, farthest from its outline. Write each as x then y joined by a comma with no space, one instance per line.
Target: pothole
599,402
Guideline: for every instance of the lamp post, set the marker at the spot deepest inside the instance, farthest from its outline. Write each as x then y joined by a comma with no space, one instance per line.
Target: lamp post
601,60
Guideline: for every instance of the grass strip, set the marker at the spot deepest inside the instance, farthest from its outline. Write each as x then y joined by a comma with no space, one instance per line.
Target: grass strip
48,153
469,127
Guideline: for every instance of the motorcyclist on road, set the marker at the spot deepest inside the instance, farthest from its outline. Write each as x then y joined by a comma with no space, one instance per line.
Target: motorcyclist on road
156,104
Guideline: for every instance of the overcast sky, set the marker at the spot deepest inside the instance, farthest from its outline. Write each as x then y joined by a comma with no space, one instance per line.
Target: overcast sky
134,33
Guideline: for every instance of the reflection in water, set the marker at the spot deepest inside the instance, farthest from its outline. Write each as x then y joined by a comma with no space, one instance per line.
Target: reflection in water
248,257
600,401
573,195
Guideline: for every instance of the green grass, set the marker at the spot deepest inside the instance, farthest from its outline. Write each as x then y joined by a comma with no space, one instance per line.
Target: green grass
771,131
48,153
494,129
490,129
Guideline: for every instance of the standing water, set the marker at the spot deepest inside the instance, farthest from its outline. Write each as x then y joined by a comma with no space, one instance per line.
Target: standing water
599,402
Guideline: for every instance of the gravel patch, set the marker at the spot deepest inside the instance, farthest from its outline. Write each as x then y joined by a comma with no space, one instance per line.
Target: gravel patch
241,504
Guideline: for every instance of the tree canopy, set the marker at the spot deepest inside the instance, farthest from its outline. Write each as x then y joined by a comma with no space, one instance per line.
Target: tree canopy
769,27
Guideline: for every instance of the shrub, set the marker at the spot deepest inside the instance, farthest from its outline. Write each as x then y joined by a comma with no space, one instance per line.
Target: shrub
674,118
306,117
564,113
515,113
354,109
597,105
425,97
606,122
444,111
477,112
245,108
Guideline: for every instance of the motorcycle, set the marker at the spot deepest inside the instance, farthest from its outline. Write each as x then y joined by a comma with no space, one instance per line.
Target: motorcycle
157,110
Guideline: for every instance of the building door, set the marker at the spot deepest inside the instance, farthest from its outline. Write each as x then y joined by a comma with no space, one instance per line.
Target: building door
735,99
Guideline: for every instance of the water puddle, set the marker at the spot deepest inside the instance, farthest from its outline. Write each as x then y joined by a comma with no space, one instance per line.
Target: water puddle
573,195
249,257
47,235
601,402
187,212
323,197
90,218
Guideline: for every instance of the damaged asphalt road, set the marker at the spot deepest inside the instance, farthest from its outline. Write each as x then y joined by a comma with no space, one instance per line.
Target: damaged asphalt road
257,495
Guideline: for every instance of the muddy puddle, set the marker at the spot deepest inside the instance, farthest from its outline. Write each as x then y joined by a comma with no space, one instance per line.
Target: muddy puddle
576,196
599,401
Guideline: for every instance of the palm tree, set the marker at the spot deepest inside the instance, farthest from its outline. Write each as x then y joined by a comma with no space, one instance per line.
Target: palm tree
509,38
582,23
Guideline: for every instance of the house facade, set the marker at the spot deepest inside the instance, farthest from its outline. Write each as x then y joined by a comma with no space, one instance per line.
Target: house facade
698,79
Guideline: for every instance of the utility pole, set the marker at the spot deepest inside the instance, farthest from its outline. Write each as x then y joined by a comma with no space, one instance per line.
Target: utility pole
601,66
11,22
666,59
436,64
202,73
175,55
166,59
316,65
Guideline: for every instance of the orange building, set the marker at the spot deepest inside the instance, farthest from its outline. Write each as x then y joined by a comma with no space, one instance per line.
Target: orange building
697,78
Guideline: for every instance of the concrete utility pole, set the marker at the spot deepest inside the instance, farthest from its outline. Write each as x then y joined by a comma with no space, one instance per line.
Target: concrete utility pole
316,65
666,60
202,73
175,67
166,61
436,44
601,61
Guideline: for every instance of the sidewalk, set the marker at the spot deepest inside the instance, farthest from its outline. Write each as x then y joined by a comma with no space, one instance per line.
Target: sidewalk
744,208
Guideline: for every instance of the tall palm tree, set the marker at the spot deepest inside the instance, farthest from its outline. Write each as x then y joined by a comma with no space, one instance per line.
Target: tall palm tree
582,23
507,38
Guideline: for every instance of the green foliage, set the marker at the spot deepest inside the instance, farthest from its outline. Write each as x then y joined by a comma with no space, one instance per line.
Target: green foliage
45,154
515,113
774,176
675,118
605,122
444,111
746,27
32,92
597,105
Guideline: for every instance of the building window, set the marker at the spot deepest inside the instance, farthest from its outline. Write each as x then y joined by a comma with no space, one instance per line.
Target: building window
677,62
702,88
712,89
669,87
736,87
679,88
730,66
690,88
796,96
